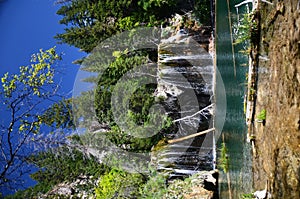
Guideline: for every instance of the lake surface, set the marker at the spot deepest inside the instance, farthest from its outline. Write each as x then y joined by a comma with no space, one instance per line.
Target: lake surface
235,132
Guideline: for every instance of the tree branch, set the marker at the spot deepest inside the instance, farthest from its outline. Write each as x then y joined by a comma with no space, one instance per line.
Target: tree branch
197,113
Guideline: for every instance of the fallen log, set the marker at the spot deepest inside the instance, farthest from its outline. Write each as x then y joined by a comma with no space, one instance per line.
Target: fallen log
190,136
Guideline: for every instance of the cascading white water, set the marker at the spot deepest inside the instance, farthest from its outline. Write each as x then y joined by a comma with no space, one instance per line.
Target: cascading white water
186,78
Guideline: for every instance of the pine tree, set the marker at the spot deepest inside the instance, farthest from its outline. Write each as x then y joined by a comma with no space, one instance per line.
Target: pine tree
89,21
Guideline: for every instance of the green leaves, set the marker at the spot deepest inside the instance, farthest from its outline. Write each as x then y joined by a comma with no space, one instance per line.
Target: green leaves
244,29
4,78
155,187
60,167
224,160
8,85
150,4
119,184
59,115
26,96
261,116
32,77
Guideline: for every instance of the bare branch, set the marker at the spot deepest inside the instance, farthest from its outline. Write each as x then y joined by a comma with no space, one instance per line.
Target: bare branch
24,97
195,114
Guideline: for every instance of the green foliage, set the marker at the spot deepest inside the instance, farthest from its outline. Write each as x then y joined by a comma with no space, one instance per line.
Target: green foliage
119,184
25,96
83,112
202,11
33,77
262,115
148,5
113,185
247,196
59,115
178,188
245,28
90,22
131,143
155,187
57,168
133,108
127,23
184,188
224,161
134,124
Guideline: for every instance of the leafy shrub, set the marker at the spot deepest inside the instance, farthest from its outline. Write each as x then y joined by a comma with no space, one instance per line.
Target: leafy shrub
244,30
224,161
155,187
262,115
119,184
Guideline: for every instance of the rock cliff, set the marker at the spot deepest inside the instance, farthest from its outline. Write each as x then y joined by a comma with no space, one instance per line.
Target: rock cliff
277,138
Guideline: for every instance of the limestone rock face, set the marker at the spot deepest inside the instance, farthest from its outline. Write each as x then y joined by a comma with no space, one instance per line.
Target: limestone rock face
277,142
202,185
82,187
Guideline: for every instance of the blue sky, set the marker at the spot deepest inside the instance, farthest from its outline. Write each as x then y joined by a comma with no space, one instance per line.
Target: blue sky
27,26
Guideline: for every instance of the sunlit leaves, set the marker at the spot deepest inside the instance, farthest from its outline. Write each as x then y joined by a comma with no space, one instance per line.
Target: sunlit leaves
119,184
25,96
32,77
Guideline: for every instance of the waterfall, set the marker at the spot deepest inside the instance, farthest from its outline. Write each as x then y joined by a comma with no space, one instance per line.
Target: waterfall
186,83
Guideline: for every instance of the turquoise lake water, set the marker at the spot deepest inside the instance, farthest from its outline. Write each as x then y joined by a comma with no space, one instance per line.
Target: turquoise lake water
235,132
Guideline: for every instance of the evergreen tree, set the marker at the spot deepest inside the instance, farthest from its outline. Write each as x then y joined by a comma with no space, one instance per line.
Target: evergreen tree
91,21
59,115
59,167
